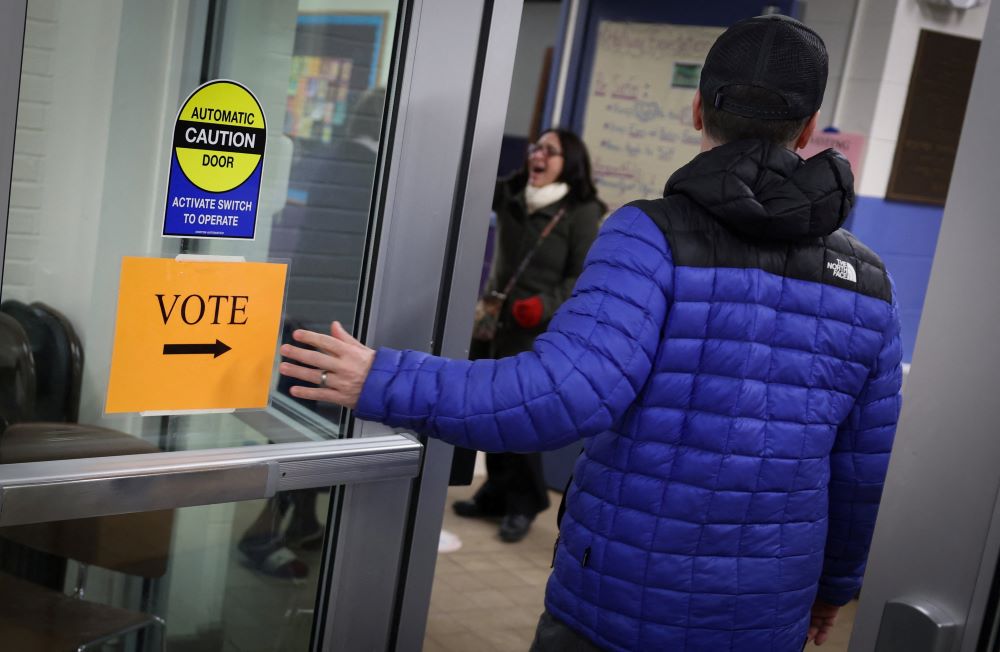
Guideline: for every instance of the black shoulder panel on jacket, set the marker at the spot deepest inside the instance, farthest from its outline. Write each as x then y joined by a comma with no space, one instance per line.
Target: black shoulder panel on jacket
698,240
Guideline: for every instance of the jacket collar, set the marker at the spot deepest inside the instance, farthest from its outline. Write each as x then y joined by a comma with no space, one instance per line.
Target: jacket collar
764,190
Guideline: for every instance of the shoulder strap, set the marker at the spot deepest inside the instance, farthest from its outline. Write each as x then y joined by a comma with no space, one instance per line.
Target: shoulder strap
531,254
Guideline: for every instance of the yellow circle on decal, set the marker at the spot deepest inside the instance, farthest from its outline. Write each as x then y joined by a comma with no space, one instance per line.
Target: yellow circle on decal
219,136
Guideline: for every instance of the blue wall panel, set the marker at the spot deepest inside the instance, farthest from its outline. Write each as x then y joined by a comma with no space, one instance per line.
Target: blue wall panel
905,236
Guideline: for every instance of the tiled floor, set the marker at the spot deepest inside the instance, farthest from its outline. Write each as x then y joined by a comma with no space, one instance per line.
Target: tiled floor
488,595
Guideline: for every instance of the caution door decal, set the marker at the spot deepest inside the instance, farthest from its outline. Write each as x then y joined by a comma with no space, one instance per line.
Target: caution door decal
216,164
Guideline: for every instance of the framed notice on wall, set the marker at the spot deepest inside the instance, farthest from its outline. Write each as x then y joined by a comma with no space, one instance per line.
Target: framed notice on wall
932,118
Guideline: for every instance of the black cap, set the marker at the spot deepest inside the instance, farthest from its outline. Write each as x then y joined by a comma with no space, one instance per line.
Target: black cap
775,53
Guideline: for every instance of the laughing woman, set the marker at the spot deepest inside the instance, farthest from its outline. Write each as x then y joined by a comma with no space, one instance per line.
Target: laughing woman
536,274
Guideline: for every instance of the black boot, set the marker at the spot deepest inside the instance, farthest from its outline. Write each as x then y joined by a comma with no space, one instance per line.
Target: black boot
514,527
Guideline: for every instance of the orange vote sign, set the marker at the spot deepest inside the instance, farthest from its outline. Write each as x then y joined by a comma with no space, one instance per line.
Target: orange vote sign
194,335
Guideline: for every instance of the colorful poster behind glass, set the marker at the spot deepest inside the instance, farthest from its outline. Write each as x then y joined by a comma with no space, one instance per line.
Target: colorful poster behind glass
216,164
336,57
317,96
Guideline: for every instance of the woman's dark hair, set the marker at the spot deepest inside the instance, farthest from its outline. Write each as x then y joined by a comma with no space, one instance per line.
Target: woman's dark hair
576,172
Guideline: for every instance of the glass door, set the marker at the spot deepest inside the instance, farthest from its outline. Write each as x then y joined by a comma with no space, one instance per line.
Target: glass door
88,187
282,527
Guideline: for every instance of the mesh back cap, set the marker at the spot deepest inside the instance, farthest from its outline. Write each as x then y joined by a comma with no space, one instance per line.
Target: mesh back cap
775,53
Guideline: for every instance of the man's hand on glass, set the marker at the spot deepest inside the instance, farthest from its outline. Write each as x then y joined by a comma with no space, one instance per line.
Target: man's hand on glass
338,366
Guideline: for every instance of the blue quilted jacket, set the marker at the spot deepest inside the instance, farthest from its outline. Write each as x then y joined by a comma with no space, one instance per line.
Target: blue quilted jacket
730,358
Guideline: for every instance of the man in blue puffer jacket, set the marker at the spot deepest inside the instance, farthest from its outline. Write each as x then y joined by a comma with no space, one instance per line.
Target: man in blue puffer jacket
730,357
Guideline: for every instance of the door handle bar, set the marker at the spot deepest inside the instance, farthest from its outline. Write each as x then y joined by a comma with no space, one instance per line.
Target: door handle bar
36,492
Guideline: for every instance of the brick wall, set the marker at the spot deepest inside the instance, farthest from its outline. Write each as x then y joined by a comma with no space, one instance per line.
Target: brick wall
27,183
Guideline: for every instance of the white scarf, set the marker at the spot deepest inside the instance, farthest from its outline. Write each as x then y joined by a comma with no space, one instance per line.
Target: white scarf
537,198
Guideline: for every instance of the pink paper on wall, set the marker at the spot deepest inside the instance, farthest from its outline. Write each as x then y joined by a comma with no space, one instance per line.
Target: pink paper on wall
850,144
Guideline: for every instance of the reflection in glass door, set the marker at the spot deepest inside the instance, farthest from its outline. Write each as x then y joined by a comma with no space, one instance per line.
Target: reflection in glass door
99,88
138,577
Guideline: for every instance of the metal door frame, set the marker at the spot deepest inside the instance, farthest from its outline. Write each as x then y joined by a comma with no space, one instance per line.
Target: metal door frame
449,109
937,539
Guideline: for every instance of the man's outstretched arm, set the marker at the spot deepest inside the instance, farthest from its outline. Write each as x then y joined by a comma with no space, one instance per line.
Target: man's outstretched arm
579,379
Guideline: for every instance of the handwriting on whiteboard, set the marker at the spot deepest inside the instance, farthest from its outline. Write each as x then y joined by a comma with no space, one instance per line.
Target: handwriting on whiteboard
638,122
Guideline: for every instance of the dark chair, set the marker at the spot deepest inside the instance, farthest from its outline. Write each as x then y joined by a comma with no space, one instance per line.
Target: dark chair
68,359
35,614
17,405
17,373
58,360
38,619
31,367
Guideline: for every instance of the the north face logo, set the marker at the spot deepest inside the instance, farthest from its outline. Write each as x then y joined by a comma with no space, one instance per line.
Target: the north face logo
844,270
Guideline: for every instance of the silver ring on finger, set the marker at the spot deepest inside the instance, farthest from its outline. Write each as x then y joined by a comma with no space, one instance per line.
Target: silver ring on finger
322,379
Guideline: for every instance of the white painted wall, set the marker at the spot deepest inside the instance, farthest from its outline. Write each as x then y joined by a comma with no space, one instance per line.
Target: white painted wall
832,20
870,74
539,29
909,17
59,147
864,65
30,155
65,127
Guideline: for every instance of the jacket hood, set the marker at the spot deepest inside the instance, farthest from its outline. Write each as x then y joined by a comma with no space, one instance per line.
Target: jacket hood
764,190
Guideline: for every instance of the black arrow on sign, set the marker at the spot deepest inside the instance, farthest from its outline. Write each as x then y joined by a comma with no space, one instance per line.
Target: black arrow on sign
216,349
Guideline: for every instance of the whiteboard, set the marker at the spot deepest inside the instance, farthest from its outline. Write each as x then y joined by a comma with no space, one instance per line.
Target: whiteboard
637,124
